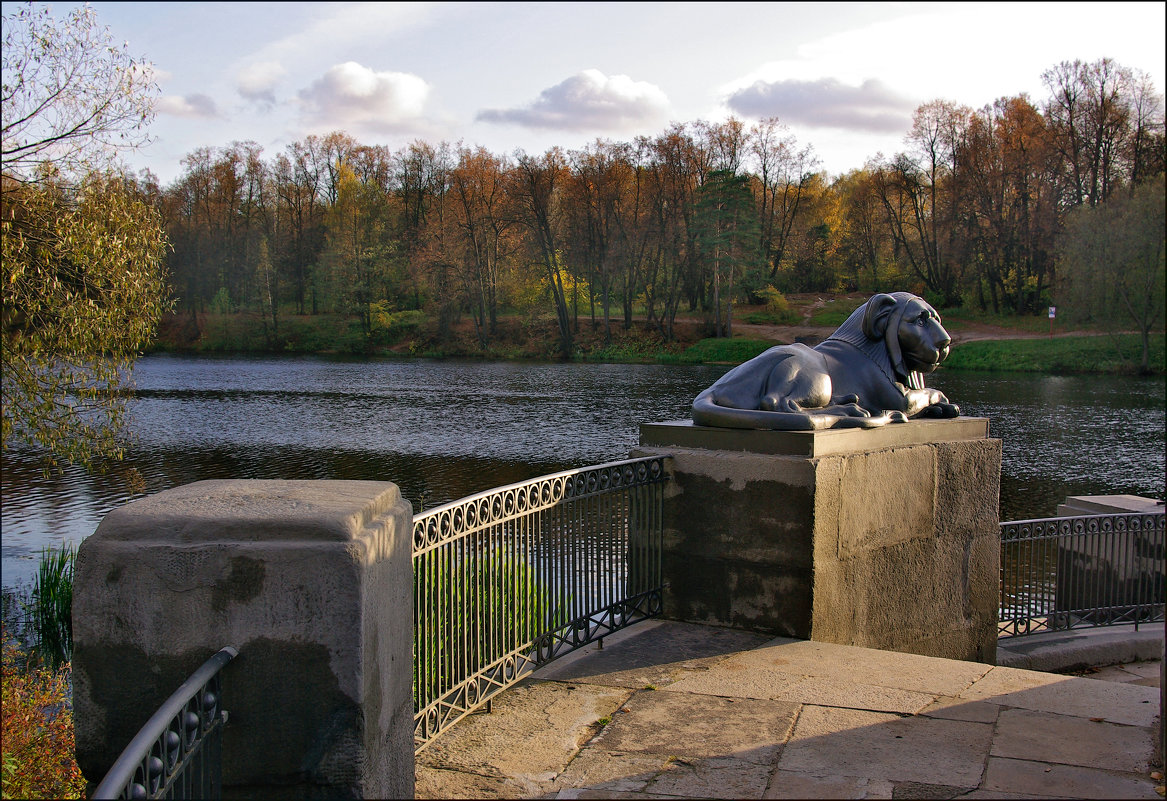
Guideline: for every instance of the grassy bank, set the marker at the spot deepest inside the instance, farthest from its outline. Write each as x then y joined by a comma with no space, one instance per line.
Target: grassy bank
526,337
1060,355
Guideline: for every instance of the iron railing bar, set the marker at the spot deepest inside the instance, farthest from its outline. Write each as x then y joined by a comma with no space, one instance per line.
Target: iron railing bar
564,474
1036,555
121,773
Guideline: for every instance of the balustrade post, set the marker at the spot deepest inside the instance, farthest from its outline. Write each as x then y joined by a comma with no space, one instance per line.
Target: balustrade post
882,538
310,580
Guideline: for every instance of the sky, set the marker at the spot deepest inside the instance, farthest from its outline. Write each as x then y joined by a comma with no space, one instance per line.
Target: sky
843,77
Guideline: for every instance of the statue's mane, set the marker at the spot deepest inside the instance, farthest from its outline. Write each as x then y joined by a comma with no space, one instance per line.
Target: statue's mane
879,349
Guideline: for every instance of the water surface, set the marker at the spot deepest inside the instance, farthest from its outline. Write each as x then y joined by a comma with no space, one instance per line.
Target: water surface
445,429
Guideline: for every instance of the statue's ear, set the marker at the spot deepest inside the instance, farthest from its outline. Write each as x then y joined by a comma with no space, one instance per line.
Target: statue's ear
875,318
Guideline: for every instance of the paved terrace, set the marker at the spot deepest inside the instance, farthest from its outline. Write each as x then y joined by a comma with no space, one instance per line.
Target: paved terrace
674,710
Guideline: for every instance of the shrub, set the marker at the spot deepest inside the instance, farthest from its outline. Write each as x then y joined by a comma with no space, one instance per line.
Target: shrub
778,307
38,746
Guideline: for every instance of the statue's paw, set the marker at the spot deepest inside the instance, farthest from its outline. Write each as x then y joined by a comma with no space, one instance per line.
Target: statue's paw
897,417
941,410
848,409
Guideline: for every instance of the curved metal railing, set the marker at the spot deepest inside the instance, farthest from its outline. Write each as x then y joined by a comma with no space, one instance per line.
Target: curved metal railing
176,754
1087,570
511,578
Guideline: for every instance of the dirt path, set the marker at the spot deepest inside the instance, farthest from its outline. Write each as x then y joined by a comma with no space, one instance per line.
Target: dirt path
968,332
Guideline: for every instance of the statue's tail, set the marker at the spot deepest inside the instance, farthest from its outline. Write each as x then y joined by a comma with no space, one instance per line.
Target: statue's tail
708,413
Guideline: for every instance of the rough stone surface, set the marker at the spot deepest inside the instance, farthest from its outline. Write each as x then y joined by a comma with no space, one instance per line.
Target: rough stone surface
883,544
862,665
310,580
1079,648
714,732
613,771
549,722
695,727
715,777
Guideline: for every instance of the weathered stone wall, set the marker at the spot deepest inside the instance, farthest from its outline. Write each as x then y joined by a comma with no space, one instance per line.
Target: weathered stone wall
310,580
885,538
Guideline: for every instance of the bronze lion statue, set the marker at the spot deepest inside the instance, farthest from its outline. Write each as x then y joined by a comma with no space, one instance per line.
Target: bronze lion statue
868,373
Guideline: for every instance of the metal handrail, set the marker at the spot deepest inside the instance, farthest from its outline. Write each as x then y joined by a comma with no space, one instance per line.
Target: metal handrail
170,731
1049,565
434,526
561,560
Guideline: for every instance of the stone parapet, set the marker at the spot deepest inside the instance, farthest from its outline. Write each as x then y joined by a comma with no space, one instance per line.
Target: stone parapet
884,538
310,580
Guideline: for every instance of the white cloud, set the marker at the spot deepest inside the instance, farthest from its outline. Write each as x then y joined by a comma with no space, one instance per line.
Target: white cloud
825,103
350,94
258,81
197,105
589,100
339,27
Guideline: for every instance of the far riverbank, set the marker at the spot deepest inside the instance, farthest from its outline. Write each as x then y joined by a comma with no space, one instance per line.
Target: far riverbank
980,344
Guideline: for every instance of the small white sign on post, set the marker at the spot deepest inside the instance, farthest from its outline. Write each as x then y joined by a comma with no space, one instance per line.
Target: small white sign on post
1052,311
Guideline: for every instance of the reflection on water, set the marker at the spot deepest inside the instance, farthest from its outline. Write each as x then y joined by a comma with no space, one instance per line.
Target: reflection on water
445,429
1067,435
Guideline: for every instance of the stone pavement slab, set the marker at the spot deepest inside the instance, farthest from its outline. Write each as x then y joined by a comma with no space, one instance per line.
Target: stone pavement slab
672,710
1066,740
877,745
1043,780
699,727
792,784
1067,695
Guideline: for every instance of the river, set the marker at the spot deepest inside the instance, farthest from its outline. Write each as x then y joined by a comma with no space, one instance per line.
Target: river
445,429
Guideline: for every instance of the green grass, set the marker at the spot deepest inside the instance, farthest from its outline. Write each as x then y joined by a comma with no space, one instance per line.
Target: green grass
835,312
955,319
52,605
766,317
40,619
244,332
719,351
1060,355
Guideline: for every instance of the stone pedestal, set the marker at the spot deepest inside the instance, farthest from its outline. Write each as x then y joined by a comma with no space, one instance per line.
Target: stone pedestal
310,580
884,538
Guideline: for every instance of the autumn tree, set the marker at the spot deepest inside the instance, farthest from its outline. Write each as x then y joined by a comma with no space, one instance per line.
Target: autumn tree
598,185
864,243
358,247
1011,205
83,292
535,190
782,169
82,268
1112,258
678,167
478,201
1089,117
